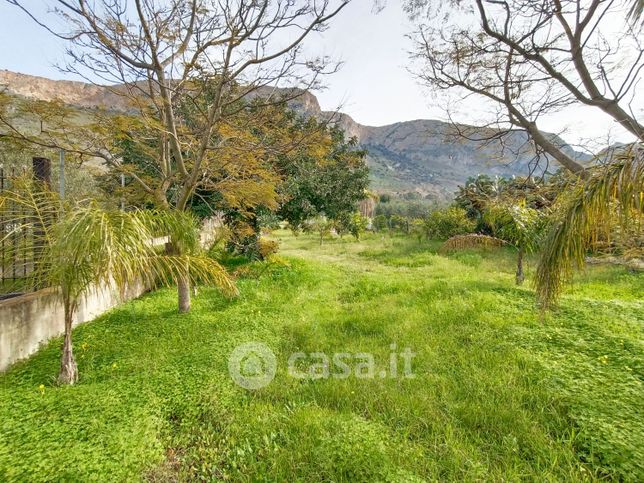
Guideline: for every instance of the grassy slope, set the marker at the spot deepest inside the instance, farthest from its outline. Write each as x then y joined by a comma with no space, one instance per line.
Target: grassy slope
499,394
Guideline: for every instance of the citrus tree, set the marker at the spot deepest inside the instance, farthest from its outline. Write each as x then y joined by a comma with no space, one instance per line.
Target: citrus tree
445,223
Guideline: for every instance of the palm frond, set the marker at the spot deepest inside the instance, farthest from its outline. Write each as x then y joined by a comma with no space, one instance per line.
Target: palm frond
636,11
612,192
28,214
198,269
79,247
181,228
93,246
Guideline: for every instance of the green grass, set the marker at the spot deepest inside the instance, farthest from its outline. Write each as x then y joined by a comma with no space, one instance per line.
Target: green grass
499,393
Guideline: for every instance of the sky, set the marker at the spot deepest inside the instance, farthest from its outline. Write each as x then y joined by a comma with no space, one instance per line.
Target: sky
374,85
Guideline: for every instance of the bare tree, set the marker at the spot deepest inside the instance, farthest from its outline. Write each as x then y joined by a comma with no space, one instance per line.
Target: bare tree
165,57
530,58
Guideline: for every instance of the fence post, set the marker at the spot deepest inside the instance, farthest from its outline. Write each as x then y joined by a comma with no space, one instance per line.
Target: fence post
41,174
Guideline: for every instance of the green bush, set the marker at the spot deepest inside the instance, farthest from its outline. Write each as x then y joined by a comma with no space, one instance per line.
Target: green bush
266,248
380,223
398,222
448,222
358,225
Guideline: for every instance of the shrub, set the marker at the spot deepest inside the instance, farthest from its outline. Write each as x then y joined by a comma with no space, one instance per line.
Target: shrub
358,224
266,248
380,223
448,222
353,223
320,225
417,228
398,222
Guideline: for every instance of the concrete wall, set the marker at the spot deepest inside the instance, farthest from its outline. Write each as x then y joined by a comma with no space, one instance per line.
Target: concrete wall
30,320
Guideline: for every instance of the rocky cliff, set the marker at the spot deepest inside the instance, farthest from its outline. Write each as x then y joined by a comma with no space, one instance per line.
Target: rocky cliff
79,94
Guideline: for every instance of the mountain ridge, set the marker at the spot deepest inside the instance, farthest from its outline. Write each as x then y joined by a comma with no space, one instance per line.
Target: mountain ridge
420,155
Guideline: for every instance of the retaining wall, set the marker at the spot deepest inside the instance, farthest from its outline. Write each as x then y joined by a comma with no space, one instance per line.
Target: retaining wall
28,321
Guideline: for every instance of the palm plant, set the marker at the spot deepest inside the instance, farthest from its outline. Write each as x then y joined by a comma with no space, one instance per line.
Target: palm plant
518,225
79,248
614,192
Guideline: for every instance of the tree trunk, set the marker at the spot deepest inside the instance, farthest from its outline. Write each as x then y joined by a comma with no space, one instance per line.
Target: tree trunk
183,290
520,277
183,282
68,368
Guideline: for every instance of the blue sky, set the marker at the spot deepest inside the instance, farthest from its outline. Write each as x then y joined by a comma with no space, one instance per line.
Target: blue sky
374,86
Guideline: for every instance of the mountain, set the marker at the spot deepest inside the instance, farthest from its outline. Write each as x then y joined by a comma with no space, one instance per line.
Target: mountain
429,157
75,93
424,156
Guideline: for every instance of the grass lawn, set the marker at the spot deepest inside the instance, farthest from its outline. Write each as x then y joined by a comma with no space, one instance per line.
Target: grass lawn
499,393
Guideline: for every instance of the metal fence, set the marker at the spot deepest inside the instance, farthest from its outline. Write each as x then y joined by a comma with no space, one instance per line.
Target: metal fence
18,246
